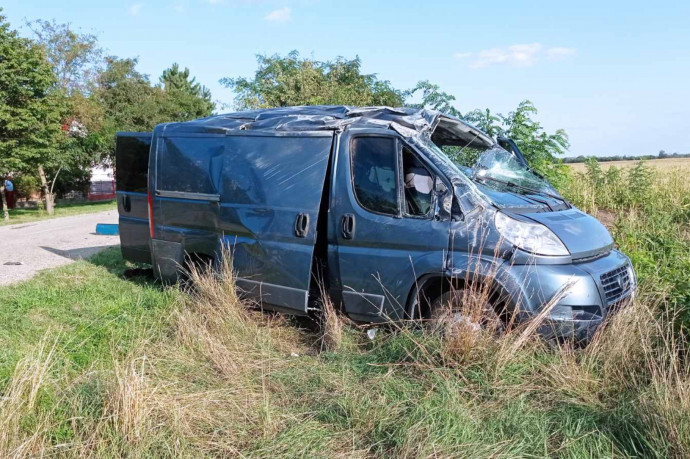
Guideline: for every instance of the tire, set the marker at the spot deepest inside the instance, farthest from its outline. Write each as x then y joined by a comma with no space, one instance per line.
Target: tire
464,309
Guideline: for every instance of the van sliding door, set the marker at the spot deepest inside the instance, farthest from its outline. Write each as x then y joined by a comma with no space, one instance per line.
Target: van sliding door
271,188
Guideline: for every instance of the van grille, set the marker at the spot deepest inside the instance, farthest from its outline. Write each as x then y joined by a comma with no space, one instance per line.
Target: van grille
617,284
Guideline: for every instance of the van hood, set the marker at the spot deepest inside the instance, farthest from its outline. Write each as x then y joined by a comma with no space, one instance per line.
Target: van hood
583,235
515,202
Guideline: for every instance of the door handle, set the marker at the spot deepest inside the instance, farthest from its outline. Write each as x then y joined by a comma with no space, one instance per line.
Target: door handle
126,204
348,226
302,225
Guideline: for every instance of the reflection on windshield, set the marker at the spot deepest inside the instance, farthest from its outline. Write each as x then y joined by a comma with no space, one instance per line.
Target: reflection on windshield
498,165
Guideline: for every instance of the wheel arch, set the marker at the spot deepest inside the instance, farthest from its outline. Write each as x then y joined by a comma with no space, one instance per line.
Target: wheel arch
430,286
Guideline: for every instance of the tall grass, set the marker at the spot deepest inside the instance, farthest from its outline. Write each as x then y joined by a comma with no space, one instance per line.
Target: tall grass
648,213
224,379
203,374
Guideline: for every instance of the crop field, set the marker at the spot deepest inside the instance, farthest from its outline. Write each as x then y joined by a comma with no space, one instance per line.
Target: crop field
96,364
659,164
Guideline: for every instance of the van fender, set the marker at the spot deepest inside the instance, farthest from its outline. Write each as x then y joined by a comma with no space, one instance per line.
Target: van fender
429,286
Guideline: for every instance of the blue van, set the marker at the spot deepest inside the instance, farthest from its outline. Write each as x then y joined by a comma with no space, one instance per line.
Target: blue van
365,201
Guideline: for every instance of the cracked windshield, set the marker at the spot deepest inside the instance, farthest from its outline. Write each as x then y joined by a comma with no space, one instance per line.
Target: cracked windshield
500,169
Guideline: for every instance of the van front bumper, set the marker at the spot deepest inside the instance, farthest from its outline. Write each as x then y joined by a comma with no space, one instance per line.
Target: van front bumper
598,288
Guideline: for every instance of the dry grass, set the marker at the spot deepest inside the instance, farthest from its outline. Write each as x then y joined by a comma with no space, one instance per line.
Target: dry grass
19,401
224,381
332,324
660,164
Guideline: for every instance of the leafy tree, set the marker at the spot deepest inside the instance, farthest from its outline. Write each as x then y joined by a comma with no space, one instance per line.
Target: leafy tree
486,121
128,101
31,110
188,99
292,80
433,98
131,103
76,58
540,148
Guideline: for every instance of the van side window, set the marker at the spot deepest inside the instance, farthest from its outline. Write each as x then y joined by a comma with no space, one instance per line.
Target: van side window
185,164
374,173
419,185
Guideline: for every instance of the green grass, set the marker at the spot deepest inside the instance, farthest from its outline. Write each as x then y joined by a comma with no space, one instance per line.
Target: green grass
144,371
61,210
92,317
87,304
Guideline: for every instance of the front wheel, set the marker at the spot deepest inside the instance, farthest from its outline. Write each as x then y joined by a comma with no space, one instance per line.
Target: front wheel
464,309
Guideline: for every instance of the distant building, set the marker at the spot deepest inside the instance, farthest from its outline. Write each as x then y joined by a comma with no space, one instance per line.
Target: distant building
102,186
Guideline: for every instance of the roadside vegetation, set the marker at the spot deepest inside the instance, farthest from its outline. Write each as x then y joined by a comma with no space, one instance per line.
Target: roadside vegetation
93,364
61,210
647,210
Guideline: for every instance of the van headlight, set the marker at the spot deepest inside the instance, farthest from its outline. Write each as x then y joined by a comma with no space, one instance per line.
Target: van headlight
531,237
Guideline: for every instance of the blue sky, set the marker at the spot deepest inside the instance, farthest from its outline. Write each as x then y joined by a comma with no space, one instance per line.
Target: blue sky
615,75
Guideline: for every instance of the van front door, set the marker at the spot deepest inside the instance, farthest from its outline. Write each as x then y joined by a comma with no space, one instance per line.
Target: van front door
384,225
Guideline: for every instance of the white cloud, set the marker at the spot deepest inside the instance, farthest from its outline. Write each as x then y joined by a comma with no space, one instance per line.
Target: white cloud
135,9
519,55
559,52
281,15
179,7
214,2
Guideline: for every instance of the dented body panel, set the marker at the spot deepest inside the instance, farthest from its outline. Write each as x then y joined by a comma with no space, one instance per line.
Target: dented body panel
363,203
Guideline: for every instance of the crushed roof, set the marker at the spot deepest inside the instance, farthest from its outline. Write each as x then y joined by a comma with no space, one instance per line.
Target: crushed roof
324,117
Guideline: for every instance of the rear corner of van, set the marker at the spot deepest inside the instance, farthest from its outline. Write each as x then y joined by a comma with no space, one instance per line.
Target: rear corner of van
131,179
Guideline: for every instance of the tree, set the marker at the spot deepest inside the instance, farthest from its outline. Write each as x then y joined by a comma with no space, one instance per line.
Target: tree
292,80
31,109
76,58
187,99
131,103
540,148
486,121
433,98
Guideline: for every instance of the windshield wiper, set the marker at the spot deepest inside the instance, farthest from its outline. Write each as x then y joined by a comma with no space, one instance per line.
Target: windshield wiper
522,187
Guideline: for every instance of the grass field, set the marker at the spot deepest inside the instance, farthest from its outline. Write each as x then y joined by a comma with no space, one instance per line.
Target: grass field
61,210
96,365
660,164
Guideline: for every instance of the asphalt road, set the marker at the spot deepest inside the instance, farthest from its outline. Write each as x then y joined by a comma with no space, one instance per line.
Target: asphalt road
49,243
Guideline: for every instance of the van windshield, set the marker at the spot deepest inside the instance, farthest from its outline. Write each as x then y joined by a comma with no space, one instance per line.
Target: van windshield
499,169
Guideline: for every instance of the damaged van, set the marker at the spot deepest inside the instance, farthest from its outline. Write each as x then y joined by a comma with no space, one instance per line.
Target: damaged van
365,202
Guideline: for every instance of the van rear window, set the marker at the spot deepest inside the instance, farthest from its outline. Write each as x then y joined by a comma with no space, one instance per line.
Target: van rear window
185,164
132,162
